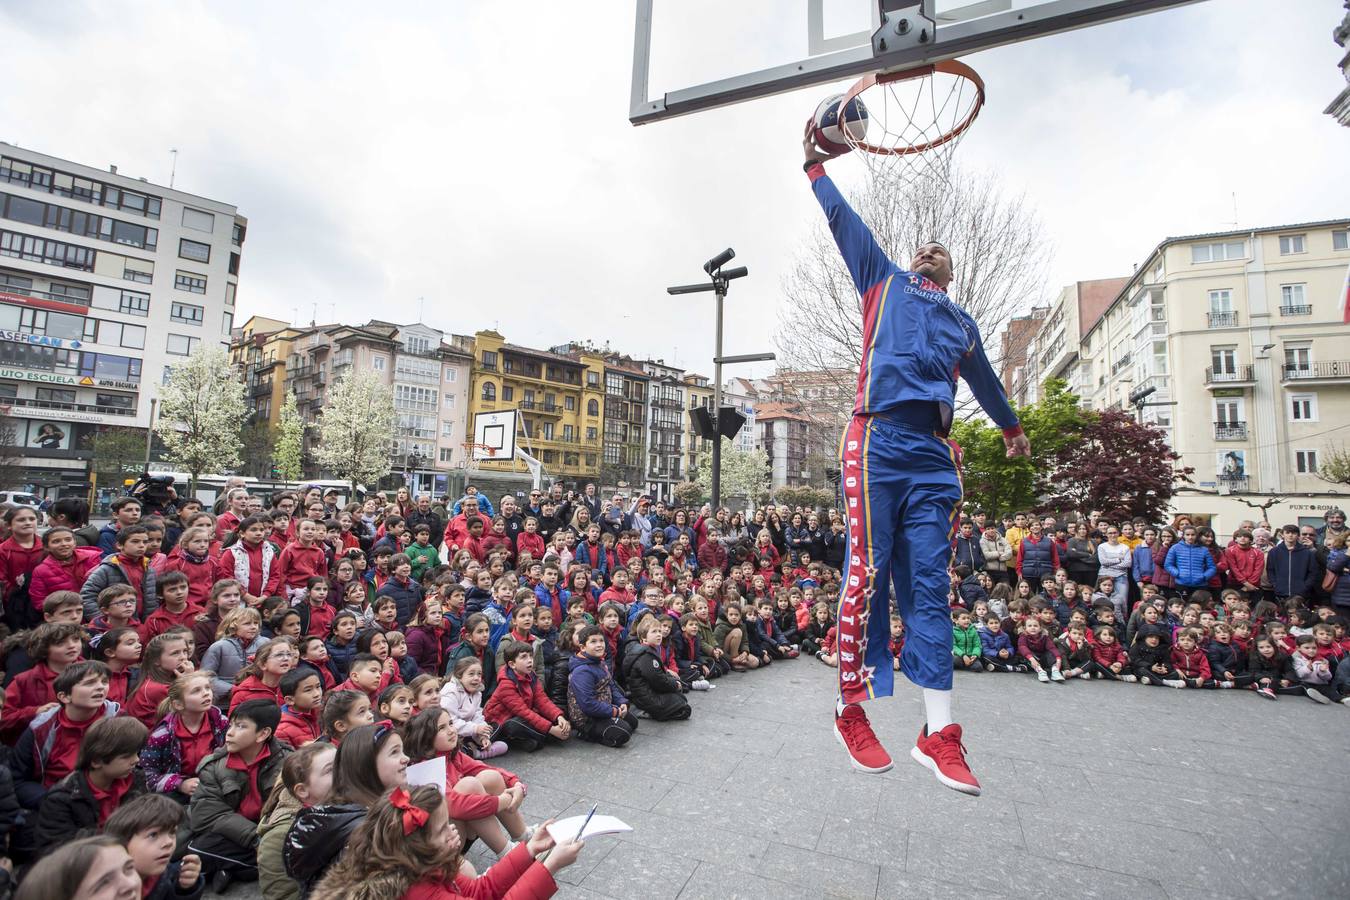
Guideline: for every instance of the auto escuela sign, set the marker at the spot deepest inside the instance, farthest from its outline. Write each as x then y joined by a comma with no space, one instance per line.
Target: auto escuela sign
20,374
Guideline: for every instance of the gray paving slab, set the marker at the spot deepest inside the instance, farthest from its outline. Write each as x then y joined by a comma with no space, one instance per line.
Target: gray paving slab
1092,790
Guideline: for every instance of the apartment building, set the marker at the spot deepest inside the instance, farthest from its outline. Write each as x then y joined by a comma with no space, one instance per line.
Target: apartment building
785,436
560,398
105,281
698,392
1012,357
1051,348
739,394
667,428
626,413
259,351
1237,342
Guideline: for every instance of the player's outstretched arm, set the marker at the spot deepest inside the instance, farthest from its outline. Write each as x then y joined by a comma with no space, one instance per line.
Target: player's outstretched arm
988,391
866,262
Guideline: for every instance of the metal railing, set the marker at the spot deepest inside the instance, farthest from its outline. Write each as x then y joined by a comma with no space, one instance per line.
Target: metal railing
1299,309
1222,376
74,407
1222,319
1230,431
1332,368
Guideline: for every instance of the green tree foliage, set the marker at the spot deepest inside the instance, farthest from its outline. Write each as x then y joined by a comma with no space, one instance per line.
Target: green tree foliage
117,452
806,497
288,455
356,428
1334,465
1000,485
688,494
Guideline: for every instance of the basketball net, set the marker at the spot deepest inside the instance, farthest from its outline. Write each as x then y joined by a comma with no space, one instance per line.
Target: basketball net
915,120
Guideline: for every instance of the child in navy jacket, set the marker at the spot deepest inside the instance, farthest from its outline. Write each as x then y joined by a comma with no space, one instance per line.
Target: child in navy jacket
996,648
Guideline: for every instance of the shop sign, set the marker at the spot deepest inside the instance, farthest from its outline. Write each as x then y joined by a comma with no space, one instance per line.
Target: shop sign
41,377
41,340
19,409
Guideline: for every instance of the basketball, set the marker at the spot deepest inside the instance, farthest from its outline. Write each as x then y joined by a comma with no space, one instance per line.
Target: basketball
831,134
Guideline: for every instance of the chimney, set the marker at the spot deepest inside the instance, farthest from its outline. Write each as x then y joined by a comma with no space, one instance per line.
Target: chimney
112,169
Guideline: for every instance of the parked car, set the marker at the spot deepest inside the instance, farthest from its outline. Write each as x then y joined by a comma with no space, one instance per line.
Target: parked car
11,499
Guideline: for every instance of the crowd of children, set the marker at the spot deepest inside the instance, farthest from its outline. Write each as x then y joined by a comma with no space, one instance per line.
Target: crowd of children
248,702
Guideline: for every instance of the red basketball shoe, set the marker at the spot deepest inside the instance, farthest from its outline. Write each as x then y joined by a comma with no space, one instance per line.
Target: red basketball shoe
945,755
855,733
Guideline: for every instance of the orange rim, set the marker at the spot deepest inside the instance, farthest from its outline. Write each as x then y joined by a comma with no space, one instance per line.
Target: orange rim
949,66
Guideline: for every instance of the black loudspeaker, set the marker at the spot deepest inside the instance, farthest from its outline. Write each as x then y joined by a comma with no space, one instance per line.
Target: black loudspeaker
730,422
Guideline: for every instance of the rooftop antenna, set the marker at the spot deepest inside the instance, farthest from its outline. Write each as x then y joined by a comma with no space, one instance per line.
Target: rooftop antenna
173,167
314,315
421,305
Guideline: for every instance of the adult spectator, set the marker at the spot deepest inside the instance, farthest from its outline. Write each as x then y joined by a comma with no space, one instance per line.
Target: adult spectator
615,517
534,504
457,530
590,500
126,512
1291,566
1113,558
515,522
423,514
73,513
642,520
1036,554
997,553
660,518
234,481
678,526
968,551
330,503
1307,536
549,523
1081,563
1334,519
815,537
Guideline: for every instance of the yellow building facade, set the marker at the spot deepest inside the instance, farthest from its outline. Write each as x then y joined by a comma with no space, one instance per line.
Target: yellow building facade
259,351
559,399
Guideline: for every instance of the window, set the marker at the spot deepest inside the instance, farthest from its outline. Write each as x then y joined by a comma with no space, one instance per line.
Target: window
1340,240
110,366
137,270
567,433
489,392
590,461
1293,300
508,393
1224,361
55,395
447,429
72,293
190,281
237,235
198,220
1228,412
592,379
489,359
116,401
226,322
449,374
1297,358
546,430
446,453
377,363
234,264
194,250
181,344
120,335
1303,407
53,253
15,282
1203,253
448,401
592,407
1220,301
187,313
590,433
134,304
570,403
1292,243
1305,462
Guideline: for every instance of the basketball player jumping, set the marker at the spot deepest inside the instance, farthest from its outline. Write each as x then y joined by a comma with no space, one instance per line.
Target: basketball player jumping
902,483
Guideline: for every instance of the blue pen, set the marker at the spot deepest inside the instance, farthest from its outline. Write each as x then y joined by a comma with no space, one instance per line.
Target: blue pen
582,829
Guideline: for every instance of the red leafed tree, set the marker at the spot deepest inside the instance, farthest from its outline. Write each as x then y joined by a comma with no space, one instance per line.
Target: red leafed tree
1117,466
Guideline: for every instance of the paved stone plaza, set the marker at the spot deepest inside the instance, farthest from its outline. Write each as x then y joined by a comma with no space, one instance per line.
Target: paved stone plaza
1091,790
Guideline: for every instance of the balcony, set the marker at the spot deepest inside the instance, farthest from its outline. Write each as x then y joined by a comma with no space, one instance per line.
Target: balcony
1236,376
45,295
1234,484
1327,372
667,402
1222,319
539,406
1302,309
1230,431
72,407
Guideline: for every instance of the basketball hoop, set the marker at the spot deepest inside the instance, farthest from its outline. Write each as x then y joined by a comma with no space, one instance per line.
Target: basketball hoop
475,452
915,118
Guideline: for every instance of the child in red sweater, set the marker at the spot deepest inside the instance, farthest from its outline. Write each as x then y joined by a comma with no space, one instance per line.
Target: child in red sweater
166,657
54,647
105,776
482,797
47,750
119,650
261,678
519,709
175,606
365,676
302,560
1190,661
302,690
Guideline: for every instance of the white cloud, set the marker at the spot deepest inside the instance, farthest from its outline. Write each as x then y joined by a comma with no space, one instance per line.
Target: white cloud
479,155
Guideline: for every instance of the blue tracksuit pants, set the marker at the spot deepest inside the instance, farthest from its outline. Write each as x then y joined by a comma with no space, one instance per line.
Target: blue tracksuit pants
902,495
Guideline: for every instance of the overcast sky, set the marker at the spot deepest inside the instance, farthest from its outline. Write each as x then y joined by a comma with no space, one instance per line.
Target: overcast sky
478,155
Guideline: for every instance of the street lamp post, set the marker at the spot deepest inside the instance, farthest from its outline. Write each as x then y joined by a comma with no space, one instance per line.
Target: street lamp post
718,284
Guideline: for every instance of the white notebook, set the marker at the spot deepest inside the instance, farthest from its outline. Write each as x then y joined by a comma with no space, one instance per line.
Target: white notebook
566,829
431,771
